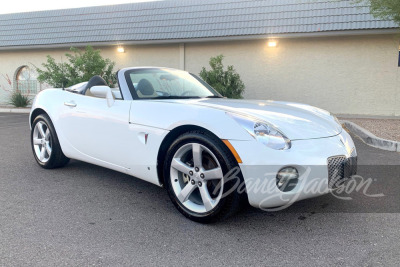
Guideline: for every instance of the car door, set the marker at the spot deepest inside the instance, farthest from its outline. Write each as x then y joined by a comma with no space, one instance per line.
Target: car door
98,133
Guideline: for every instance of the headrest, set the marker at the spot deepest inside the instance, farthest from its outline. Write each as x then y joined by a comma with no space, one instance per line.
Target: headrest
145,87
94,81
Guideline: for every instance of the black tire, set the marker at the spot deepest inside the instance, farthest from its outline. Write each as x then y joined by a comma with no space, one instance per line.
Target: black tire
229,204
57,158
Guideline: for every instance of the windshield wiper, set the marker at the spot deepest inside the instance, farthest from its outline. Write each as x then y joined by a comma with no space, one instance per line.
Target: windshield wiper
214,96
174,97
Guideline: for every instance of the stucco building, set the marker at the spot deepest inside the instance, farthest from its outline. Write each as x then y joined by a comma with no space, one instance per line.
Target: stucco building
331,54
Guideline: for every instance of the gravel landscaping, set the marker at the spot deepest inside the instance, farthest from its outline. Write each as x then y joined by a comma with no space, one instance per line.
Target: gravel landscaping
384,128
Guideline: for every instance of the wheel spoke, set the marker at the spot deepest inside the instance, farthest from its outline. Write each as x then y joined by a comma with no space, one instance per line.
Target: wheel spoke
197,155
180,166
48,149
186,192
213,174
47,135
37,141
205,196
40,128
42,153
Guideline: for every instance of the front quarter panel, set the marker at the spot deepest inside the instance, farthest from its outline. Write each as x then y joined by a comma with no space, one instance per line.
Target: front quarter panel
156,118
169,115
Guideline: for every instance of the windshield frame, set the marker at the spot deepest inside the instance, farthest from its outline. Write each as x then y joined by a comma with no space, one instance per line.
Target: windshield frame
134,95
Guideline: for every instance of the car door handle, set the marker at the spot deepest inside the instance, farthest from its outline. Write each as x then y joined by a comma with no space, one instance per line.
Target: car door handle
70,104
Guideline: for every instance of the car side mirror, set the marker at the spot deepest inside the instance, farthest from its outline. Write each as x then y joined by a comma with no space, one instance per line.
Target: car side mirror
103,91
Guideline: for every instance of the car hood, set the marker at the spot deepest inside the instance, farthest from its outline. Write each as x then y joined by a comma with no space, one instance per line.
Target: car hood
296,121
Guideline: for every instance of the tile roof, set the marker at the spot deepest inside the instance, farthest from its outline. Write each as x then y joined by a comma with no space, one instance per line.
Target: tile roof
182,20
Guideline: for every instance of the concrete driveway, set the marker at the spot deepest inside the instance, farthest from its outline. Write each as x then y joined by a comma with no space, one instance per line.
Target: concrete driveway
84,215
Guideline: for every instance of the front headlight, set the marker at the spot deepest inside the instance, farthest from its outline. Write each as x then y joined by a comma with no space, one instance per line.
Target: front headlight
263,132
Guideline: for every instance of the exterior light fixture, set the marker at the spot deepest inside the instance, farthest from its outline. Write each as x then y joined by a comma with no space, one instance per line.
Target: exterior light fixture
121,49
272,43
287,178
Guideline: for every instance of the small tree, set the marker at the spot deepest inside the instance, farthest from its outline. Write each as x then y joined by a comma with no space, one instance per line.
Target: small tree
81,66
384,9
227,83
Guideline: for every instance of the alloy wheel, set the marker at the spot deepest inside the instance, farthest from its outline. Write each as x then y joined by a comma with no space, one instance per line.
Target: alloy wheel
196,178
42,142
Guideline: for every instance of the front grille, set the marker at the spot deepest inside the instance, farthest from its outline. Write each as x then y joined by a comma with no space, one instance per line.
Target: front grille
336,171
341,168
350,167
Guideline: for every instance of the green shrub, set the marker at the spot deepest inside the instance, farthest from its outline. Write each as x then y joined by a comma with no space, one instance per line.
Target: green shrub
227,83
19,100
81,66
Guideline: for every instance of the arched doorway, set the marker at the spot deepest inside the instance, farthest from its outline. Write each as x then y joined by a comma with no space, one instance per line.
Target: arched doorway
25,80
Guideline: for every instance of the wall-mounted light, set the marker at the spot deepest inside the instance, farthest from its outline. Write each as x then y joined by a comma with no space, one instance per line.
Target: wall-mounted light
272,43
121,49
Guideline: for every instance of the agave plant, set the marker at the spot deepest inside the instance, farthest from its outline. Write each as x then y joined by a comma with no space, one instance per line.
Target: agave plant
19,100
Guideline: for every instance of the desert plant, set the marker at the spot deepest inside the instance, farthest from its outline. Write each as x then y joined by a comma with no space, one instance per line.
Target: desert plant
226,82
81,65
19,100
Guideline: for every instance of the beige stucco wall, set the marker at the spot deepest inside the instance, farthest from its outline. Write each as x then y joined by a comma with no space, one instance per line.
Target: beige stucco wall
346,75
10,61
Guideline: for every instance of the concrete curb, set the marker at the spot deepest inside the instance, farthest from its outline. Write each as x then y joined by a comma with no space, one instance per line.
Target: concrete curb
15,110
370,139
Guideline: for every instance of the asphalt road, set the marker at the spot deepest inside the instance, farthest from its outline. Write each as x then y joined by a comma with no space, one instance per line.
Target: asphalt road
84,215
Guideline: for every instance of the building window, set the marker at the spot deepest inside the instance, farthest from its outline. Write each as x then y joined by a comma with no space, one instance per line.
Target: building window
26,81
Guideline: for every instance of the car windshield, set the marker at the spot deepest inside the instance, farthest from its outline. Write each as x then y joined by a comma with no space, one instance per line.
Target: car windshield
157,83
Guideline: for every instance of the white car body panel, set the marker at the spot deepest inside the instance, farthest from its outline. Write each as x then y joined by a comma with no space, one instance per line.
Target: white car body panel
308,156
81,132
297,121
110,136
168,115
127,136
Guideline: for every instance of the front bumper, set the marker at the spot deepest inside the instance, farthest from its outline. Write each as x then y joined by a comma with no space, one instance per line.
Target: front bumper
310,157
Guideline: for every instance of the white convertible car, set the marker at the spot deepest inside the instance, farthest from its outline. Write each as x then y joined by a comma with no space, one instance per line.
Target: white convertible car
212,154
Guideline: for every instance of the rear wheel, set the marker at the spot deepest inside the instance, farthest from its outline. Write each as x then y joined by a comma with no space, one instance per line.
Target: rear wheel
45,145
196,177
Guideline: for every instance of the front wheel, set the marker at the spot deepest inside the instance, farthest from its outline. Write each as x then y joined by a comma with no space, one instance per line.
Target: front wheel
45,145
202,178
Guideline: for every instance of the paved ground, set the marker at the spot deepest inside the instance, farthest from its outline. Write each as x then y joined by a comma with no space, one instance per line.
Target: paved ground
86,215
384,128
